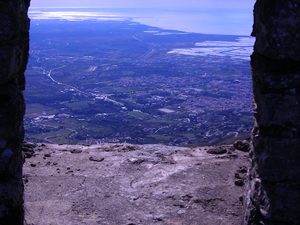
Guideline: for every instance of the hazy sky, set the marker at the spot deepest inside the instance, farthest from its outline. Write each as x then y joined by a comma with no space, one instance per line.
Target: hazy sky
145,3
202,16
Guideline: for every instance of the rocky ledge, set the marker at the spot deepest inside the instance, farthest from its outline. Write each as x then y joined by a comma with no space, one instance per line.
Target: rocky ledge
121,184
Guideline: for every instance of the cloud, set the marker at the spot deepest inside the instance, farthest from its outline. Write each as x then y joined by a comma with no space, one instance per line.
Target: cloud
73,15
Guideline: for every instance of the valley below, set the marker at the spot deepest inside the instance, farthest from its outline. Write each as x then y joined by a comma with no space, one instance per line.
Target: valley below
91,82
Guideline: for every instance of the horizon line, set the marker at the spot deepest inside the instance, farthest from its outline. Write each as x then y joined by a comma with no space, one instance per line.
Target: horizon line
99,7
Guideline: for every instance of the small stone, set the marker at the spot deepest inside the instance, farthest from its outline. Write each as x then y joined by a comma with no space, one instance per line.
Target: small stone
107,196
76,151
129,148
180,212
29,145
186,197
158,219
47,155
197,201
95,159
241,198
33,165
217,151
239,183
25,180
136,161
28,155
134,198
237,176
243,170
243,146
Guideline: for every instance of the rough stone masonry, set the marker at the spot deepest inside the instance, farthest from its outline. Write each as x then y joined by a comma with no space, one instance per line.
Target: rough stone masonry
274,195
14,42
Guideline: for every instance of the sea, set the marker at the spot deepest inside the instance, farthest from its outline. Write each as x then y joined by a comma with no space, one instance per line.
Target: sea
204,20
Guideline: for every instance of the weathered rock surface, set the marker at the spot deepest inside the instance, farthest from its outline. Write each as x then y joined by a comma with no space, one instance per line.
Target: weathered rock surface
274,196
130,184
14,26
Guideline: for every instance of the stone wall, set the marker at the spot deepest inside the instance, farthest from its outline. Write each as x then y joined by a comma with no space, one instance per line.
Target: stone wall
274,196
14,26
